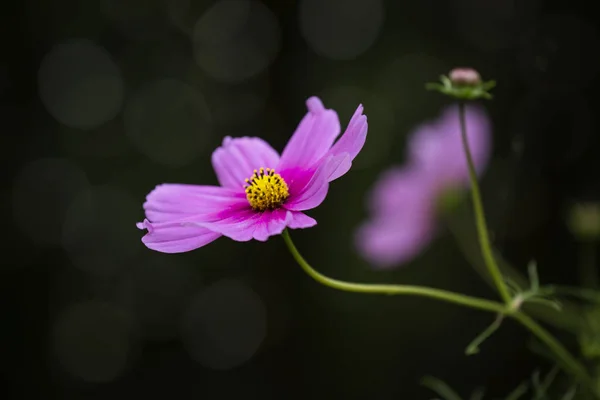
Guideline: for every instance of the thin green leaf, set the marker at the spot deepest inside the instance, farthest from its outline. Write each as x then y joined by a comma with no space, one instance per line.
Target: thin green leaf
542,388
534,279
548,302
518,392
440,387
570,395
512,284
590,295
434,86
488,85
446,81
473,347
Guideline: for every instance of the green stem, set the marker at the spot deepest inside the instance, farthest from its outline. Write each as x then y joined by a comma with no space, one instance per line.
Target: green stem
468,301
482,230
569,362
570,318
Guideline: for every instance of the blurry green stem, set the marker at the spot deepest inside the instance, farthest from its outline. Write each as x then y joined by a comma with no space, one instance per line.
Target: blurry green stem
482,230
569,362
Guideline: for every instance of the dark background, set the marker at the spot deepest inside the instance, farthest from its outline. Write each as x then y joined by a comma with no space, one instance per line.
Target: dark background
104,99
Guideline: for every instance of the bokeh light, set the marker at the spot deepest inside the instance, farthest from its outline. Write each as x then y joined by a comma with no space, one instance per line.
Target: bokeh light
224,325
80,85
492,26
99,232
42,194
236,39
341,29
156,291
93,341
168,121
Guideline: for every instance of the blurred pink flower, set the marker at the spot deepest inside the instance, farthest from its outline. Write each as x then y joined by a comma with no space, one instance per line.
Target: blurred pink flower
404,201
260,193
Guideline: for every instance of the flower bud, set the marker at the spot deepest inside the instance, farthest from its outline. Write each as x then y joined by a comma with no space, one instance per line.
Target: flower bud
463,84
465,77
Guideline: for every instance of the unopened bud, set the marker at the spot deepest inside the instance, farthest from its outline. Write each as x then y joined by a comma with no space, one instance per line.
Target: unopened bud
463,84
465,76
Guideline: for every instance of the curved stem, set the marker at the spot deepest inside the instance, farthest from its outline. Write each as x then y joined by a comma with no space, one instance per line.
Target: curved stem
482,230
457,298
569,362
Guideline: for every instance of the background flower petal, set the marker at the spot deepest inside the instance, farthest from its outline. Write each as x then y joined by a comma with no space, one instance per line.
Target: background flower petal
402,206
237,158
312,139
399,188
437,148
389,242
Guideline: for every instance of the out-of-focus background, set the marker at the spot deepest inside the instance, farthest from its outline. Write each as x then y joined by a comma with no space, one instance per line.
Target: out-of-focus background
104,99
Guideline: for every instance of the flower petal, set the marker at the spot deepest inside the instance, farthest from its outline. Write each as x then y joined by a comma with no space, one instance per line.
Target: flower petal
314,191
300,220
400,188
403,208
171,202
237,158
389,242
271,223
173,212
175,237
437,148
244,225
351,142
312,139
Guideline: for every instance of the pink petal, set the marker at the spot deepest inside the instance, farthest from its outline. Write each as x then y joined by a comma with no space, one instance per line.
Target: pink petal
169,202
173,212
244,225
175,237
237,158
437,148
390,242
300,220
314,191
351,142
313,138
402,204
400,188
271,223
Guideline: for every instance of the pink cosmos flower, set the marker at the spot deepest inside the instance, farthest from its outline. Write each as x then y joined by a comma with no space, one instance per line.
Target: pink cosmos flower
260,193
403,202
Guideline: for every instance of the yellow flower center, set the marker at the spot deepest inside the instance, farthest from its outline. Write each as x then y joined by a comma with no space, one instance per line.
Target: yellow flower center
266,190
